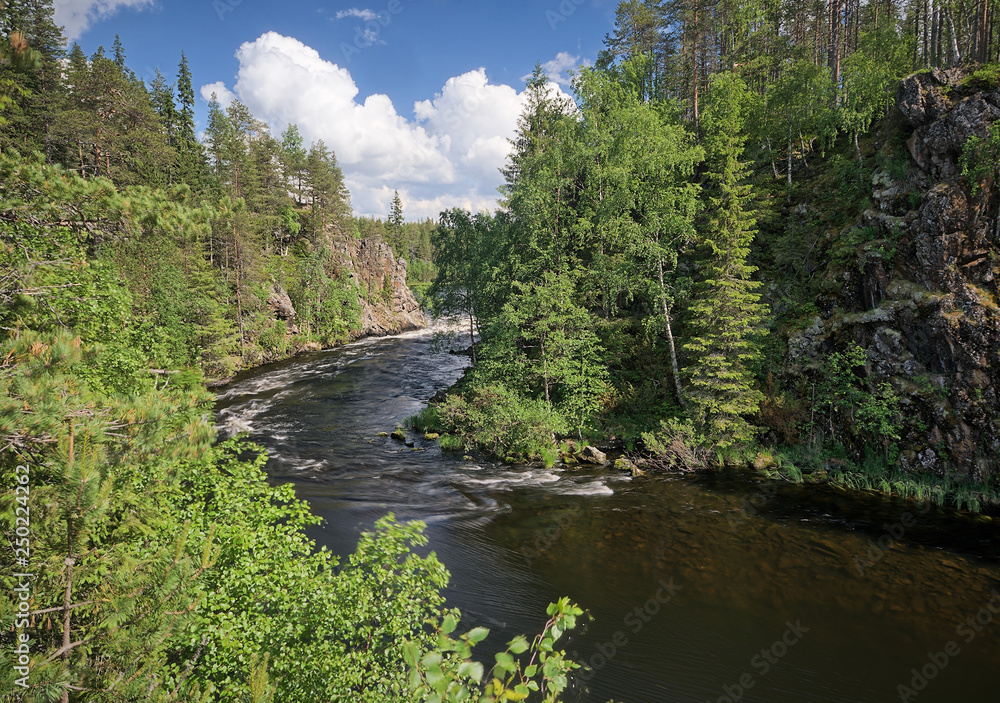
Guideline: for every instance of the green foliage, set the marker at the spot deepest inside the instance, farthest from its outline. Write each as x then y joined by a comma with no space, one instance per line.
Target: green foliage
447,672
875,473
327,304
542,345
190,576
496,419
983,78
980,157
842,397
677,445
870,76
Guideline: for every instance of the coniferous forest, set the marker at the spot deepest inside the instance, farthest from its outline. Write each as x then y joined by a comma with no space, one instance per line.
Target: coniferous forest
665,242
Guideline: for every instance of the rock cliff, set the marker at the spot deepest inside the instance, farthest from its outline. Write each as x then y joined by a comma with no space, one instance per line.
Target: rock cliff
387,304
925,309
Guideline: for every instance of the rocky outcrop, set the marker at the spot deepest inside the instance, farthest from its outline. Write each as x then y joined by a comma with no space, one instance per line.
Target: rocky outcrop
387,304
281,305
941,129
927,313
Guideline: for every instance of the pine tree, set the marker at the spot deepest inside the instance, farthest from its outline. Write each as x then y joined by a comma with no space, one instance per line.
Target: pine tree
118,53
726,314
293,160
36,83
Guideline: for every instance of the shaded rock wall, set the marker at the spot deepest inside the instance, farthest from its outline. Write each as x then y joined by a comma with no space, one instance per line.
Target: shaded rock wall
928,316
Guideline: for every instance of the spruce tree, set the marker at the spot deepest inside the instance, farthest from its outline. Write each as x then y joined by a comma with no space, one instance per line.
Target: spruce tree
540,183
726,314
395,225
191,165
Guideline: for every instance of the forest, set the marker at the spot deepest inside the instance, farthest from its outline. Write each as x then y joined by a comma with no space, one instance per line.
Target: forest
649,266
637,287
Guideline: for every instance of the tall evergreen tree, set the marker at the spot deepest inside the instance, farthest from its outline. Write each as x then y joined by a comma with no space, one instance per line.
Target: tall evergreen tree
394,225
726,314
540,179
191,164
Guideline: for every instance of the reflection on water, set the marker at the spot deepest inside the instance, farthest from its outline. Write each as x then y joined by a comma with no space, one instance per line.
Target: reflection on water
714,588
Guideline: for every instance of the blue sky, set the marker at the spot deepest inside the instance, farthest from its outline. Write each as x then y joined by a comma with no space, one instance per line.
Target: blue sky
413,95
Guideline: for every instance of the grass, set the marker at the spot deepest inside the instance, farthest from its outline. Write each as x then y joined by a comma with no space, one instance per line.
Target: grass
875,474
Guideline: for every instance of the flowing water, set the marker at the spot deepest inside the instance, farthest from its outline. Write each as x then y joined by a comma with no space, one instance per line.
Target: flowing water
714,588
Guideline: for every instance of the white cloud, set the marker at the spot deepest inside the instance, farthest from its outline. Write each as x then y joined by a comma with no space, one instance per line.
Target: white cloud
75,16
446,155
366,15
558,68
223,94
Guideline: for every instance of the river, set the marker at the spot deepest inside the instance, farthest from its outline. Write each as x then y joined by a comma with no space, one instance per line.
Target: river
711,587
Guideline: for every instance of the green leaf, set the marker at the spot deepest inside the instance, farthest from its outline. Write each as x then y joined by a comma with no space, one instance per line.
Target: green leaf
477,634
518,645
505,662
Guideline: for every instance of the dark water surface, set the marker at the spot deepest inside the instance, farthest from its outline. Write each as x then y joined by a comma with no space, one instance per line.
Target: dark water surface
711,588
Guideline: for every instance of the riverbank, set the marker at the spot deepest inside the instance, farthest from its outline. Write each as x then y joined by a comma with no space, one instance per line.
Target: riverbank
744,555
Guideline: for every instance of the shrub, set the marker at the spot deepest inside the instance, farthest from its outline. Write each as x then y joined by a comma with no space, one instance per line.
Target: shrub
676,445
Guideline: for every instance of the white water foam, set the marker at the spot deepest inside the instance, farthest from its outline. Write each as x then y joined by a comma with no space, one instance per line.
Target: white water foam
594,488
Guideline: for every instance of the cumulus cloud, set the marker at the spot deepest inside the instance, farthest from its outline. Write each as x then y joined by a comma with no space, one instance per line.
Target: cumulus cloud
366,15
447,154
75,16
558,68
223,94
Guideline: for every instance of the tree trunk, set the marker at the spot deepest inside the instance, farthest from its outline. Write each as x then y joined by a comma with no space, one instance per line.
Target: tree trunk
472,336
835,11
694,66
239,294
68,594
955,57
925,15
983,33
670,340
789,161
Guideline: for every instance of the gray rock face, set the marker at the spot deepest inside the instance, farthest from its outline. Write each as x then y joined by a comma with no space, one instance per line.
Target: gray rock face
940,129
281,305
387,304
929,318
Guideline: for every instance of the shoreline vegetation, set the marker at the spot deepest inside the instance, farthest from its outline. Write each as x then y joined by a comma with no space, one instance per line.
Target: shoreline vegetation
690,260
